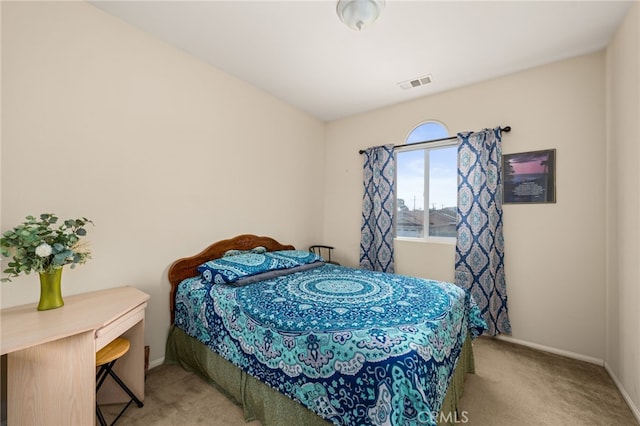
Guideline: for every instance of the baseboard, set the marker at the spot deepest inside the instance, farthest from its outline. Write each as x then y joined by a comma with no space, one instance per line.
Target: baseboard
156,362
623,392
568,354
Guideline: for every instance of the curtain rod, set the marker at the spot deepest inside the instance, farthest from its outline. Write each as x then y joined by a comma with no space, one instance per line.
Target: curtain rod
504,129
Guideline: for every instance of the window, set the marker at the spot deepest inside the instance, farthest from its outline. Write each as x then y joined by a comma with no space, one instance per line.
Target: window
427,184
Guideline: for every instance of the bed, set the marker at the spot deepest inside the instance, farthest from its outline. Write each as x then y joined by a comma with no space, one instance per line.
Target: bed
294,340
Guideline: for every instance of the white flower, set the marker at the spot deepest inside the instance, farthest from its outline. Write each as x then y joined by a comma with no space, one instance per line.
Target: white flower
43,250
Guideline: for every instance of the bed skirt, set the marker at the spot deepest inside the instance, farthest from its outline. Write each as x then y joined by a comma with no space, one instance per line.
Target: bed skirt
271,408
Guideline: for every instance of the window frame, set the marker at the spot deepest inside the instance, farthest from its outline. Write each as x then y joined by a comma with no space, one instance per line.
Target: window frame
426,146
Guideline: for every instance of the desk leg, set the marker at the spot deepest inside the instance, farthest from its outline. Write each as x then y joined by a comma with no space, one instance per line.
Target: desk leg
130,368
53,383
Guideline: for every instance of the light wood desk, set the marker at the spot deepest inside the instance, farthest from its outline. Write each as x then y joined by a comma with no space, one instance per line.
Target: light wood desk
51,355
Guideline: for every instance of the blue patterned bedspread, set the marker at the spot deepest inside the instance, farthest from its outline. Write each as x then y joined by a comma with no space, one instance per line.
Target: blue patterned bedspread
354,346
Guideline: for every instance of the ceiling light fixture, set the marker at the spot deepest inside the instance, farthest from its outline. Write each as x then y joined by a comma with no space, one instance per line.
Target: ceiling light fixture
358,14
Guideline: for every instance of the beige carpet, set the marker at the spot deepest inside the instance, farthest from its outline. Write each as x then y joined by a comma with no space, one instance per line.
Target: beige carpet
516,385
513,386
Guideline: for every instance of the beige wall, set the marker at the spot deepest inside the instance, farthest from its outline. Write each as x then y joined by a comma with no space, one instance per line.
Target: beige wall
555,258
165,153
101,120
623,207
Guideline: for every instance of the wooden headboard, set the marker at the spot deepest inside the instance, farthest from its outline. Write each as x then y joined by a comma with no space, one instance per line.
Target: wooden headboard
188,267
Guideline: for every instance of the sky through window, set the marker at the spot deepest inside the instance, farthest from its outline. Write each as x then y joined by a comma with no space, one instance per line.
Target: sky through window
442,169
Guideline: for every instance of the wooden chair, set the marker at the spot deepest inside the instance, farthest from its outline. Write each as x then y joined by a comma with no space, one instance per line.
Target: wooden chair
105,359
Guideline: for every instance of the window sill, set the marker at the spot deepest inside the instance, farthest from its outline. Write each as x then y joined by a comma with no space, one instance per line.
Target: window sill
429,240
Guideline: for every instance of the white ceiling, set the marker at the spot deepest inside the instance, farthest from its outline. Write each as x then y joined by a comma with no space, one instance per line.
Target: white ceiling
302,53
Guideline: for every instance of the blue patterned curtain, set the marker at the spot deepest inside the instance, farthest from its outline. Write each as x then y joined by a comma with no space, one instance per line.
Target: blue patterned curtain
378,204
480,244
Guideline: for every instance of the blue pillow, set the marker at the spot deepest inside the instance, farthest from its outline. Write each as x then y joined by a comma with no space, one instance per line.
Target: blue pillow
229,269
296,257
275,274
258,249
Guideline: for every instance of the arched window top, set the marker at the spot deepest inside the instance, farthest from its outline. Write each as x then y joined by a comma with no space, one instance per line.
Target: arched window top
427,131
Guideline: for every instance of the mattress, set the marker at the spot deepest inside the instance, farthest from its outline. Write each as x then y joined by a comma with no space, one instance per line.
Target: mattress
352,346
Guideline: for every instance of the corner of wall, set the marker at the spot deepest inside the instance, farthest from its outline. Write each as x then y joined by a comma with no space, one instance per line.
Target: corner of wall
622,358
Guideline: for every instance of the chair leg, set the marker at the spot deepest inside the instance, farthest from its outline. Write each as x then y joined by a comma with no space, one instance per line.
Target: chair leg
102,374
125,388
100,377
107,370
122,412
101,419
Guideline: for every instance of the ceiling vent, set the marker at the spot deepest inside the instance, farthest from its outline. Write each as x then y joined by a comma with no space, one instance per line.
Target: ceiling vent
417,82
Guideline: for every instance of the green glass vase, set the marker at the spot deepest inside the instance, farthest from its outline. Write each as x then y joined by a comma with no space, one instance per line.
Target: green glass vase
50,291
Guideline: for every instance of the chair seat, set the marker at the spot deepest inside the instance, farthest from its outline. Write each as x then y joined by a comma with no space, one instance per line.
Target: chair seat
113,350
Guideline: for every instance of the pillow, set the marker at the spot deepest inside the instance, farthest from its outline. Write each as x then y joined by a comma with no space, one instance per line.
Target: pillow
275,273
296,257
229,269
258,249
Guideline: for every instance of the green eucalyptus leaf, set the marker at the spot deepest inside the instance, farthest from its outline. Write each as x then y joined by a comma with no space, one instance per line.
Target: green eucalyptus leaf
60,258
21,242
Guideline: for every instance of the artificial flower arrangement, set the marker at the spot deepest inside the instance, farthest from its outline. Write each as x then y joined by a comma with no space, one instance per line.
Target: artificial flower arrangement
37,245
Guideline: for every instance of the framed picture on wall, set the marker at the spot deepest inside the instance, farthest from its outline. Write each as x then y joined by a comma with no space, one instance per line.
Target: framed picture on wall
529,177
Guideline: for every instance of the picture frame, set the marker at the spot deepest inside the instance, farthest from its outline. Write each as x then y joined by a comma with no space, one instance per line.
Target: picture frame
529,177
